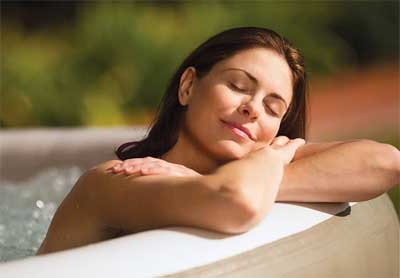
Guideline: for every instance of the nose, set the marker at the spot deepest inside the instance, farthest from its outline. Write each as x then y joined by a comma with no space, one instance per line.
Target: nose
250,109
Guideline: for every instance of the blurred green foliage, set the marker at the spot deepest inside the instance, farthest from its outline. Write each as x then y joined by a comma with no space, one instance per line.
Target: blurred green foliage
111,65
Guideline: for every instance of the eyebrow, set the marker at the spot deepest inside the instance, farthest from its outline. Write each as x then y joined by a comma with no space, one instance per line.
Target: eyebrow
252,78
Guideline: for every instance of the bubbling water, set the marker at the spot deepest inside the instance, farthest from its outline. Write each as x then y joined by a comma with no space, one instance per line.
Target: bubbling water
26,210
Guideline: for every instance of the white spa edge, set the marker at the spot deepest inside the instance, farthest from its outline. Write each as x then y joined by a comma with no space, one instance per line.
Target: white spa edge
169,250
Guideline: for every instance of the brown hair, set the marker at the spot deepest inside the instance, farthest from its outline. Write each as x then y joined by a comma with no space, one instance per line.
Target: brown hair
164,130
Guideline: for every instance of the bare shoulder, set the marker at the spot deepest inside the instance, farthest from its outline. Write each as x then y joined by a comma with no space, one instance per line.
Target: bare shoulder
98,176
76,221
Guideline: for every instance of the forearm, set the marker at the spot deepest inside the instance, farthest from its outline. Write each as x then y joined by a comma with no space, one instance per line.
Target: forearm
351,171
225,201
140,203
312,148
103,205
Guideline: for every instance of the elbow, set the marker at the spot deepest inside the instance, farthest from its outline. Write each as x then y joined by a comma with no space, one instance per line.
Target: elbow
245,214
243,221
253,215
387,159
393,163
233,213
396,160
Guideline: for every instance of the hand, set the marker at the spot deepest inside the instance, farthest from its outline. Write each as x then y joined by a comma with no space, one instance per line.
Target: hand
281,149
286,148
152,166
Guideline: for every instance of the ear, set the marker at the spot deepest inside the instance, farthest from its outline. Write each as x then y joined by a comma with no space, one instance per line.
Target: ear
185,90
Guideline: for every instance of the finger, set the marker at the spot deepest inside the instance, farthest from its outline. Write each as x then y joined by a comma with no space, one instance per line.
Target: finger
123,165
134,165
280,140
131,170
132,162
138,166
152,171
295,143
117,168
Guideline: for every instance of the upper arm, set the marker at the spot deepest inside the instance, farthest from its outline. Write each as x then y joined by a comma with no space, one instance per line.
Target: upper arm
139,203
74,223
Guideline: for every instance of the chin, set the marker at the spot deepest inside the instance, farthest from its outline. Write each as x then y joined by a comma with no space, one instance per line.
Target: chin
229,150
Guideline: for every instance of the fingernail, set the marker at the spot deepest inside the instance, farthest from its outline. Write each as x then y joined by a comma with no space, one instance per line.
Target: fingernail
129,169
117,167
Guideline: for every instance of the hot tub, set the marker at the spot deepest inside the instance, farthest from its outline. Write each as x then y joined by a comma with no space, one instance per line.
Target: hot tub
294,239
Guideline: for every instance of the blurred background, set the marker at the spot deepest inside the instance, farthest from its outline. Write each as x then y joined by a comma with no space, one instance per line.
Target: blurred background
108,63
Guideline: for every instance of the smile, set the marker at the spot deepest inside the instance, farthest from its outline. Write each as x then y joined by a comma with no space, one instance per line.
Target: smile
237,131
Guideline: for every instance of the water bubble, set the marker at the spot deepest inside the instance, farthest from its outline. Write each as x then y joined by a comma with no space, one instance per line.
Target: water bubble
39,204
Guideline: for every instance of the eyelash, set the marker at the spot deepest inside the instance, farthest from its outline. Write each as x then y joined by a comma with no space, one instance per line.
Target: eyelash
236,88
242,90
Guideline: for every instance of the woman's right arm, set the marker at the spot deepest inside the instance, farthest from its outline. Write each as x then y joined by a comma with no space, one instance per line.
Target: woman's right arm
103,204
231,200
139,203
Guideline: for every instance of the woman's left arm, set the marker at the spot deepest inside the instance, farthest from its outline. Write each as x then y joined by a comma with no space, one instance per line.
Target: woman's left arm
356,170
311,148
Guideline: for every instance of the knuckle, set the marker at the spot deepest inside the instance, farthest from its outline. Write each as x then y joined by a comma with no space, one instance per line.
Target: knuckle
105,165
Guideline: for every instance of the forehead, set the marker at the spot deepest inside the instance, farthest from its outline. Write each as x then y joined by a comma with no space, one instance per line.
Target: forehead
268,67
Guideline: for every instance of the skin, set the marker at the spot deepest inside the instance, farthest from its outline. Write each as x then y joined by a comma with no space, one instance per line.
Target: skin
213,178
204,141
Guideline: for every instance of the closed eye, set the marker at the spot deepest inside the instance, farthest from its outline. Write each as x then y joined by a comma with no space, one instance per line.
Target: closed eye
234,87
271,111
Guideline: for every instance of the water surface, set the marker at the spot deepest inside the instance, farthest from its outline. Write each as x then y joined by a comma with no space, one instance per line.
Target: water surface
26,210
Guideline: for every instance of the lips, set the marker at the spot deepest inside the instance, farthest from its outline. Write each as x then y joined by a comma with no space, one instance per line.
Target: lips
239,127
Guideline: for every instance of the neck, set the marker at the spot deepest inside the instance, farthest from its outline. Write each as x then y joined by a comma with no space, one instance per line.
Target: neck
189,153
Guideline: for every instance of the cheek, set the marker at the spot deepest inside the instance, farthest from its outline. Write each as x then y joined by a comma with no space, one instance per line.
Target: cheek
269,130
199,115
212,102
206,110
224,100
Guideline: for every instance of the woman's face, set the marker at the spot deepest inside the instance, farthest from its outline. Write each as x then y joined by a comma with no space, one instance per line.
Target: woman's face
238,106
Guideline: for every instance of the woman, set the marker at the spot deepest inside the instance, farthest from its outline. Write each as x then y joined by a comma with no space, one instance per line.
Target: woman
219,153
